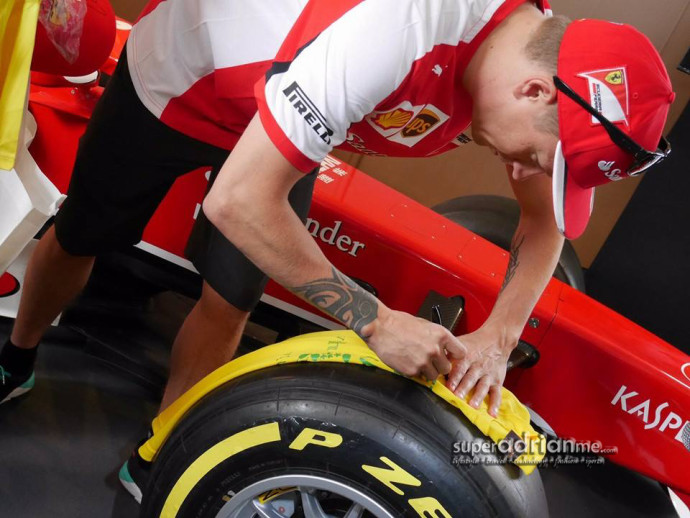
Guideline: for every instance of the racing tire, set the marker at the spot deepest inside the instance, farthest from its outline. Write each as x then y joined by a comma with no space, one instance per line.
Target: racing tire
495,218
336,441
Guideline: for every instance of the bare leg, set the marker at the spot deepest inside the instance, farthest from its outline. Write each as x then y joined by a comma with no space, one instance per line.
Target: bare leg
53,278
207,339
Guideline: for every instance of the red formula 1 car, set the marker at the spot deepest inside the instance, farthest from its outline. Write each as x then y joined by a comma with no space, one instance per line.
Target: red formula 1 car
584,371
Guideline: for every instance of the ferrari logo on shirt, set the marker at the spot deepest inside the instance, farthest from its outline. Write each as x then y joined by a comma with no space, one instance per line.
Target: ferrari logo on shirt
407,124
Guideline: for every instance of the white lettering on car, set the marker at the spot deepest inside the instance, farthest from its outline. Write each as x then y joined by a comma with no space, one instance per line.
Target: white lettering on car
671,420
685,369
329,235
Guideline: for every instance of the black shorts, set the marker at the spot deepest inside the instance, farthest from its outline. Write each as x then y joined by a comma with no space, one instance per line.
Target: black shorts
126,163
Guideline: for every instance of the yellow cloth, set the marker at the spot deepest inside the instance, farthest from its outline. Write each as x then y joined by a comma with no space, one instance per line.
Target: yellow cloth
18,19
347,347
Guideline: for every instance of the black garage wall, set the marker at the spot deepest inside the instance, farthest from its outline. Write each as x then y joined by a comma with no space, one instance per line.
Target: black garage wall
643,269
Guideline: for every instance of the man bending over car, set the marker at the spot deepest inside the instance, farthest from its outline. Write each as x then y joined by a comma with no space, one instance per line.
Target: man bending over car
280,84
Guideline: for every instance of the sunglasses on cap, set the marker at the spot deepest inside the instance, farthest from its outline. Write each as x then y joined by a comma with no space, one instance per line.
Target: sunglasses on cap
643,159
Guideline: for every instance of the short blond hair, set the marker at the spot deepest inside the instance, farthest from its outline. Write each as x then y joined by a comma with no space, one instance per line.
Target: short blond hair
545,42
542,48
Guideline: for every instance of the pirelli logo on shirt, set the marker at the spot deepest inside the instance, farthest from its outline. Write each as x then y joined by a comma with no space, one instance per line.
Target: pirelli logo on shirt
407,124
308,110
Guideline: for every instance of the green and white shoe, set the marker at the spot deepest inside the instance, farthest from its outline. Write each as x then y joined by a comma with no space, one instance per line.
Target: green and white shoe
12,386
128,482
134,475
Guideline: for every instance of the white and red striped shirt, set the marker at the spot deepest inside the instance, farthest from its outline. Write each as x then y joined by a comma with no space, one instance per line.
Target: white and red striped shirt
380,77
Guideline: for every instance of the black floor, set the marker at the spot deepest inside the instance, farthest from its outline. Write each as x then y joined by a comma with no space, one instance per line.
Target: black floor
99,377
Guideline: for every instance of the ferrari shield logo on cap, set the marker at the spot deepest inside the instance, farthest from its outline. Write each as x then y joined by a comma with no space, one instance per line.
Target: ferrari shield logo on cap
608,91
615,77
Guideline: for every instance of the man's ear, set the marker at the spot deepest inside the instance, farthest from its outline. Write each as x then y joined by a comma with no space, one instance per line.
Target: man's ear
536,88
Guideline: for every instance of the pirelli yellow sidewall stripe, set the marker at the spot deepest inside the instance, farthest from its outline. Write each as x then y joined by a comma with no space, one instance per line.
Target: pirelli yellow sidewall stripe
344,347
220,452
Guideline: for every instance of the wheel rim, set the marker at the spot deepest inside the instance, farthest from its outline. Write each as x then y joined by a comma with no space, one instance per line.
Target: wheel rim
309,491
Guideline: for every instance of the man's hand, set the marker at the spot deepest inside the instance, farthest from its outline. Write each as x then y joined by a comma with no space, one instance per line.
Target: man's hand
483,369
412,345
534,254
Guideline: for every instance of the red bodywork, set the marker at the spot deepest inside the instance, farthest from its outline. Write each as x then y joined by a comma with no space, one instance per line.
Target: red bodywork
600,376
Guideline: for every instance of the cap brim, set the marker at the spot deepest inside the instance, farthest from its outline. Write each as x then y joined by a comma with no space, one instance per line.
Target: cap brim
572,204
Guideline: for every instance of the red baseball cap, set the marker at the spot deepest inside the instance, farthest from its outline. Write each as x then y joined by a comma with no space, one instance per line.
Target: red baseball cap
614,68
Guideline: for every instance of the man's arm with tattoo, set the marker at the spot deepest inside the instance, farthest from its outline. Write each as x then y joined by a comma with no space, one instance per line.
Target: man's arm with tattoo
534,253
342,298
513,260
248,203
394,337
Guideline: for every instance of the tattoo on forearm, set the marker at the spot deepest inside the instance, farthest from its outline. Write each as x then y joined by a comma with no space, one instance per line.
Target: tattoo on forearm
341,297
513,262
